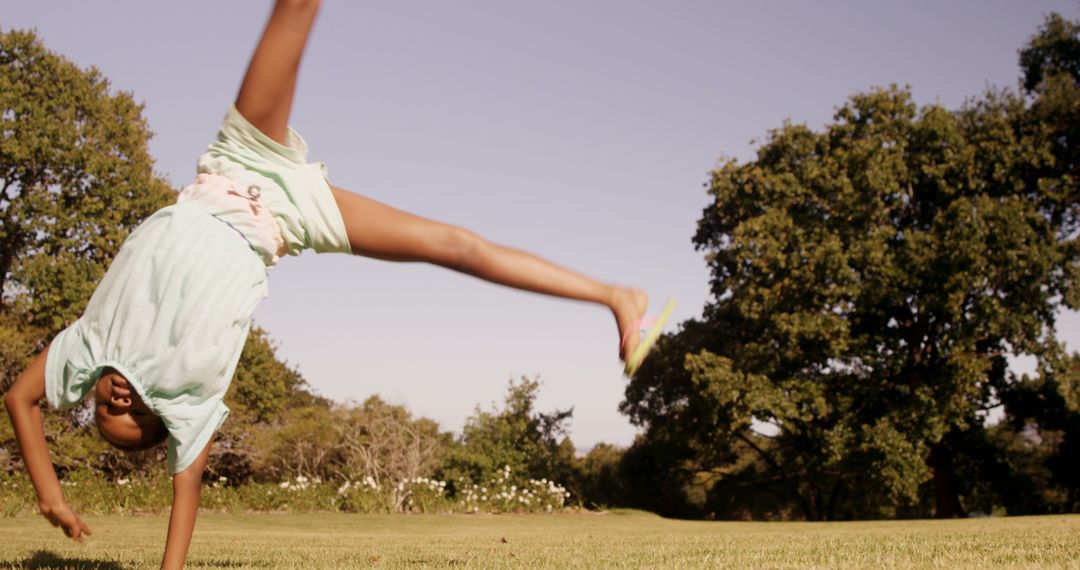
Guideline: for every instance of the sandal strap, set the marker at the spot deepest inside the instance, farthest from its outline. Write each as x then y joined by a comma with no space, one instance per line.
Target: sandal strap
643,323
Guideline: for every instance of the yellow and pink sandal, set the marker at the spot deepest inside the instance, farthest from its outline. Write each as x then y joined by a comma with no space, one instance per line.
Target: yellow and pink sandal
654,324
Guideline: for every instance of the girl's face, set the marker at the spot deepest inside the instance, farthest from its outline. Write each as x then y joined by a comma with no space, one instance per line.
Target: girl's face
122,417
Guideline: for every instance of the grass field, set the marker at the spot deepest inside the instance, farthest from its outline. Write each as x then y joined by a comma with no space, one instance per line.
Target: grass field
612,540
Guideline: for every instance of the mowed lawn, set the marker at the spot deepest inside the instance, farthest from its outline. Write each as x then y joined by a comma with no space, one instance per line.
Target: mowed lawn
621,539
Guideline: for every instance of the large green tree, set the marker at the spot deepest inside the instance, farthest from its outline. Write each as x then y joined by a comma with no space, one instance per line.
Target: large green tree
75,178
869,281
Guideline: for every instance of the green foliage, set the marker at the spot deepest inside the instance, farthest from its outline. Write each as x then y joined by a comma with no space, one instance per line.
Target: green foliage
1040,440
263,386
868,281
375,440
75,179
516,436
600,482
301,442
1054,50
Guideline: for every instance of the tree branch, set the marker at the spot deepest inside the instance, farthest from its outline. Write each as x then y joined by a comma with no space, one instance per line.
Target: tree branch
793,489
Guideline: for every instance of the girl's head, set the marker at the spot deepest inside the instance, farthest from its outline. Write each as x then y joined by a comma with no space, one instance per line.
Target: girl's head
122,417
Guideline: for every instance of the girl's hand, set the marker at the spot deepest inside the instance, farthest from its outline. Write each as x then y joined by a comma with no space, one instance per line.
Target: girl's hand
62,516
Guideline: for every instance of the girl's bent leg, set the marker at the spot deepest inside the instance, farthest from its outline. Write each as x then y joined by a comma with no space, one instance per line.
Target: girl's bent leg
381,232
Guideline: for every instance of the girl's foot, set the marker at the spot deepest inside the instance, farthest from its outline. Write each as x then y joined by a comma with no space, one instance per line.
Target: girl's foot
628,306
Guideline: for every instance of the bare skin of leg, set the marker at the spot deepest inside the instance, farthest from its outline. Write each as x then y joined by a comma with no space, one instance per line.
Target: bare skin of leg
379,231
382,232
266,94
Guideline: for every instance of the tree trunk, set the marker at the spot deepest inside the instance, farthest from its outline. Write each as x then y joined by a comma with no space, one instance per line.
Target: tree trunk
946,496
834,497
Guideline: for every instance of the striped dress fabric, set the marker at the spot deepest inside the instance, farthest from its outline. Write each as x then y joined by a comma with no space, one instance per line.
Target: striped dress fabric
174,309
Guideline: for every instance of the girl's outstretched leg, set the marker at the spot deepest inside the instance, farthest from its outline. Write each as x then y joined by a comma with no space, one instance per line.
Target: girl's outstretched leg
266,94
381,232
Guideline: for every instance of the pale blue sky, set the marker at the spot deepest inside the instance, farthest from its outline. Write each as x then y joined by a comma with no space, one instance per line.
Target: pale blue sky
580,130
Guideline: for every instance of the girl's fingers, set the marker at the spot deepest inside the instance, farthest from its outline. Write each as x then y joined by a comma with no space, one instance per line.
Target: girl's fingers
74,530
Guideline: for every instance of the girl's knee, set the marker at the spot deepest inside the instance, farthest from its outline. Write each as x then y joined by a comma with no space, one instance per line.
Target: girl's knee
459,248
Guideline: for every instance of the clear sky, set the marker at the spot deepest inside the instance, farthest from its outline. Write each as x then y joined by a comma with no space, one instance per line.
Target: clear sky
583,131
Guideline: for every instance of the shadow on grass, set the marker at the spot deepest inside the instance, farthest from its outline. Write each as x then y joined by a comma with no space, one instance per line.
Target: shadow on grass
46,559
43,559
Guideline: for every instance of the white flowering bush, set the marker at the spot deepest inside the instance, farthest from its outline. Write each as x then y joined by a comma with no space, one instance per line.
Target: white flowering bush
90,493
421,495
504,495
416,495
363,496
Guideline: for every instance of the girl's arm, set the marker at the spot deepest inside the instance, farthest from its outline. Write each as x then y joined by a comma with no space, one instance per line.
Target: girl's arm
187,488
23,403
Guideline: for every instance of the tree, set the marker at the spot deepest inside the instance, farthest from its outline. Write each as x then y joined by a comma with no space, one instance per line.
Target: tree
75,179
263,386
263,389
374,441
516,435
384,442
869,281
599,477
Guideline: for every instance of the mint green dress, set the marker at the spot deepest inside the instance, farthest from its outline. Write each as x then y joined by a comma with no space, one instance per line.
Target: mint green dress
175,307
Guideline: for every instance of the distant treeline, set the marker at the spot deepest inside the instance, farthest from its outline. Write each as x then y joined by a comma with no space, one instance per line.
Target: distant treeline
870,282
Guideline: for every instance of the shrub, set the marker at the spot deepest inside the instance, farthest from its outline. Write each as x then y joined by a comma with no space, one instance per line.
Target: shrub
89,493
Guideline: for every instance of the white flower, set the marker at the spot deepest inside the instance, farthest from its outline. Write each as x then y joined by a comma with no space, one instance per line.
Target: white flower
123,482
222,479
284,484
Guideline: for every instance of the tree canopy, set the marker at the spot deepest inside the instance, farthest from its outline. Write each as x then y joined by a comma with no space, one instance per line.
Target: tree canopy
869,281
75,179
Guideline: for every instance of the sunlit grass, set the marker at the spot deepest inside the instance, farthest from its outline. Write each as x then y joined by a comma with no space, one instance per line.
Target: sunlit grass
622,539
